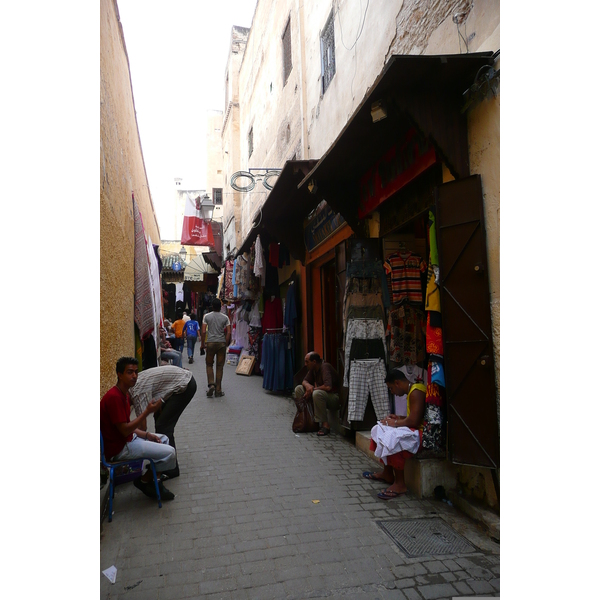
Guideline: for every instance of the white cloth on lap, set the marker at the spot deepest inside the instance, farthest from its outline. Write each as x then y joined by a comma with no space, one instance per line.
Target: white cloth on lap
391,440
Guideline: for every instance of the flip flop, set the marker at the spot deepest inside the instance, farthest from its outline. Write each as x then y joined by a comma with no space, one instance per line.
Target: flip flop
389,495
371,475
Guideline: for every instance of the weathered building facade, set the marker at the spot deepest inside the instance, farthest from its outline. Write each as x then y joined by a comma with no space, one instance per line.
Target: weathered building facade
122,173
304,84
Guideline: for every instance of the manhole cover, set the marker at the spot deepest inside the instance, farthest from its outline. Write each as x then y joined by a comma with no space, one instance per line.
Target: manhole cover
425,537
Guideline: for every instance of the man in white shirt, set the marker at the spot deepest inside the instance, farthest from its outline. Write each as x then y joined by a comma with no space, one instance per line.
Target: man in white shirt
216,334
176,387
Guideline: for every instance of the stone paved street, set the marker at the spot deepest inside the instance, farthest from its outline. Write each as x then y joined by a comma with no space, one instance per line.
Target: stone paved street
245,524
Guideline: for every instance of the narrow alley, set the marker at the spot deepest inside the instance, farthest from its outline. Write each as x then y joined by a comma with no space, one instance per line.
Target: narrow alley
262,512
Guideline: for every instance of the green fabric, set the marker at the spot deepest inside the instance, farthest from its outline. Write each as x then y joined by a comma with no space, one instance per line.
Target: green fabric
433,249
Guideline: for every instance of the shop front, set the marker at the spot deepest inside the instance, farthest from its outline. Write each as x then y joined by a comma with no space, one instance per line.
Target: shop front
408,286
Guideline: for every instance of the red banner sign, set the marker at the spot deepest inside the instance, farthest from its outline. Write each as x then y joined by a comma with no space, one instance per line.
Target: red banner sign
399,165
196,231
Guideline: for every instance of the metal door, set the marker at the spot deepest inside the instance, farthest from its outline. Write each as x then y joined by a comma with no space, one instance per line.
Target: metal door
473,433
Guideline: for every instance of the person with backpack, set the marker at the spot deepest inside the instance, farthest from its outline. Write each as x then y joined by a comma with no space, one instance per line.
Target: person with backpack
190,332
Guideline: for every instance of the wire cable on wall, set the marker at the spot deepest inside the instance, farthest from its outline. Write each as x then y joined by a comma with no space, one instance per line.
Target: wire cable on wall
364,18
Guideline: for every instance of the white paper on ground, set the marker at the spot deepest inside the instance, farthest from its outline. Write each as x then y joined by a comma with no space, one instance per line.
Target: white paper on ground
111,573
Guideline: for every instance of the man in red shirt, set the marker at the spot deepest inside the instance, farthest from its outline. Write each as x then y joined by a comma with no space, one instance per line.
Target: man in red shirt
125,439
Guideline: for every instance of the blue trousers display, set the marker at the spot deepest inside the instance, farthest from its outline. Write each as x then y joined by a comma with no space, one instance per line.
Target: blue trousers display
277,362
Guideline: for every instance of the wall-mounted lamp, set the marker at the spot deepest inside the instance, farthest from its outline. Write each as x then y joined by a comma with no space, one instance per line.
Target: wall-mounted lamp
378,111
206,206
312,186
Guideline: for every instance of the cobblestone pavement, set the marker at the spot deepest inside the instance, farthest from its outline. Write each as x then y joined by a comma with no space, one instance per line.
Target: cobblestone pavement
245,524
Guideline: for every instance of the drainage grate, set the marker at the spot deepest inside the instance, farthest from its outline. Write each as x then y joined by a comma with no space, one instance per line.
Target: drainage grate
425,537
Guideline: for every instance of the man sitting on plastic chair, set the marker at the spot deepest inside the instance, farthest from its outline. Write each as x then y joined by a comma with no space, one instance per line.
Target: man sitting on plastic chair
128,440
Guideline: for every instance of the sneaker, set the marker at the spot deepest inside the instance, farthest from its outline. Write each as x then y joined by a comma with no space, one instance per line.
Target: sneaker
146,487
219,394
171,474
165,494
210,391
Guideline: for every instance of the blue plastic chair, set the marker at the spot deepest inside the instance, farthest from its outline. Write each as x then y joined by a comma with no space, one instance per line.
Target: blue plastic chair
133,463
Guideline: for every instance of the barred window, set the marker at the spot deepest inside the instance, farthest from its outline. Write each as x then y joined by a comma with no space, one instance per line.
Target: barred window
250,141
287,52
218,195
327,54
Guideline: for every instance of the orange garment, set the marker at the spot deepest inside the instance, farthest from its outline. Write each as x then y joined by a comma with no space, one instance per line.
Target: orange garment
178,327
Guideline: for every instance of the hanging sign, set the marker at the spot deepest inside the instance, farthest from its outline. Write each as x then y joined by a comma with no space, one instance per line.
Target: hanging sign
196,231
321,225
398,166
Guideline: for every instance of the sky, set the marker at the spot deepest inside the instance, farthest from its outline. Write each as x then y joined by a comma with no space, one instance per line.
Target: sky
177,57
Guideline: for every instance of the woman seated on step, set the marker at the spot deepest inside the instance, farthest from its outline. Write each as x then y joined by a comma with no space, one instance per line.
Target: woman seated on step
395,438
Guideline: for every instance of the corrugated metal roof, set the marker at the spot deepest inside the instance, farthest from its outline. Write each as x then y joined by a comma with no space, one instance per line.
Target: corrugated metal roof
169,259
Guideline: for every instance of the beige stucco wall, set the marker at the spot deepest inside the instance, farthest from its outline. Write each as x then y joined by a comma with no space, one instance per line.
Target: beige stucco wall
215,177
230,141
122,171
269,106
360,54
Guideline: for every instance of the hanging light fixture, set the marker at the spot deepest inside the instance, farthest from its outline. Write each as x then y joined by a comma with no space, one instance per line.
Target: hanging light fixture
206,207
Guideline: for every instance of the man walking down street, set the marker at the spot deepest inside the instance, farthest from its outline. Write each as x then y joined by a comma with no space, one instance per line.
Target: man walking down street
125,439
216,333
175,388
321,382
177,327
190,332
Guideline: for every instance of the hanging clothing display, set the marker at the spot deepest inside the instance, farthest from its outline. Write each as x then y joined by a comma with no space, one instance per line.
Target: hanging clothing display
290,315
273,315
277,362
434,343
234,279
406,329
259,264
413,373
147,311
284,256
274,254
367,376
405,270
227,289
369,269
362,329
354,300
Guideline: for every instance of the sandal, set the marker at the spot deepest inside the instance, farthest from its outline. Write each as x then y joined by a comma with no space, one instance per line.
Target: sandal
323,431
389,494
371,475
